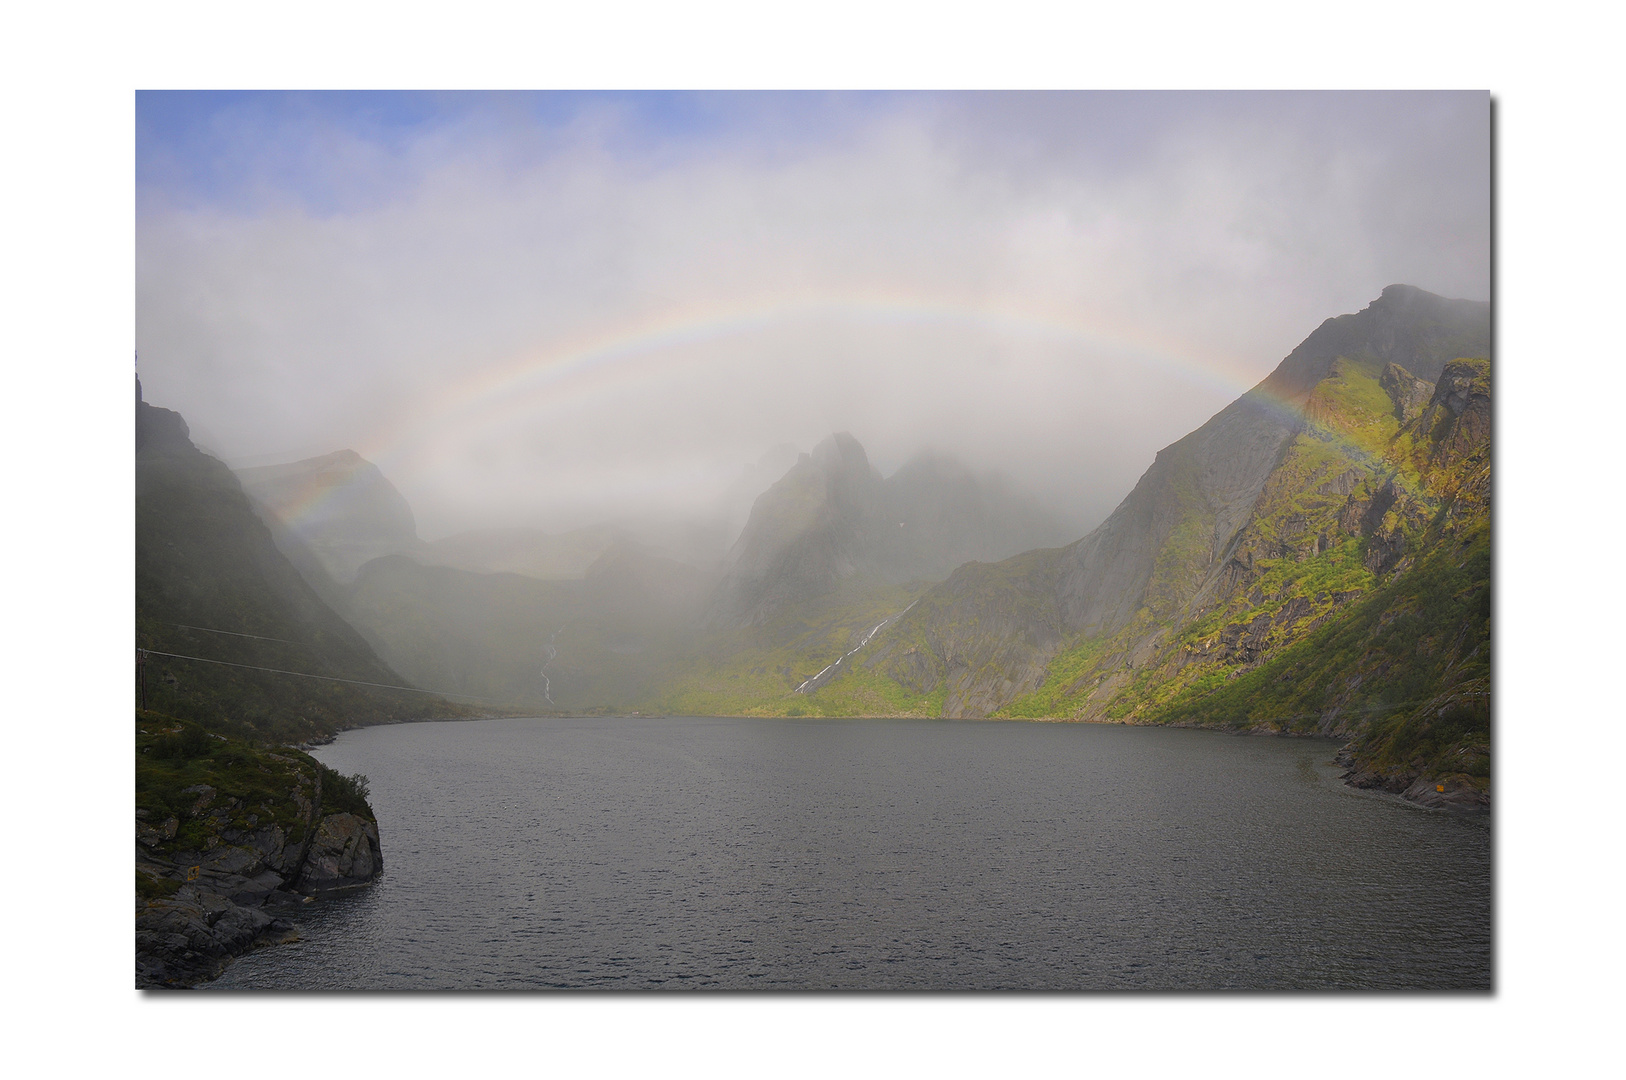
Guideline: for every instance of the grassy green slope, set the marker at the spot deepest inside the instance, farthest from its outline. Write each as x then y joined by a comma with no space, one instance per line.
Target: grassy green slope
755,671
174,755
1407,667
1357,600
1351,498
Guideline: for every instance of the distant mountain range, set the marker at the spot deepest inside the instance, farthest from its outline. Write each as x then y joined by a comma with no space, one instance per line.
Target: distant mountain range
1315,558
598,616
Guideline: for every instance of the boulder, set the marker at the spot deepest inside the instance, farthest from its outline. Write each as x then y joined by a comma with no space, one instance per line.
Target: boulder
345,853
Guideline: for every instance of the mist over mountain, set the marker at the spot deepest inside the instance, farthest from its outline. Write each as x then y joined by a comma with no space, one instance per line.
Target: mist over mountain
599,617
1330,500
340,509
605,639
531,552
833,519
557,556
339,505
212,584
1047,285
1330,526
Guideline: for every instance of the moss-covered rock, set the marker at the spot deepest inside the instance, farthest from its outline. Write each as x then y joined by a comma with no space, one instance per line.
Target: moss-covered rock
226,833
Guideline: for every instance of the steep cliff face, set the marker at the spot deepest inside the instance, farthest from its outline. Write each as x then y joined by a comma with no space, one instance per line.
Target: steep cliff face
1361,527
808,533
1279,513
1404,666
212,584
1161,548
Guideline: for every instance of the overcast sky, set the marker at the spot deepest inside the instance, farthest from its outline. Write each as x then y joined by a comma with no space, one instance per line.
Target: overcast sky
545,309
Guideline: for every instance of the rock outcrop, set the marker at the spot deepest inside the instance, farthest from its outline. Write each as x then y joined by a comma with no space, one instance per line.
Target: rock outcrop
222,863
239,894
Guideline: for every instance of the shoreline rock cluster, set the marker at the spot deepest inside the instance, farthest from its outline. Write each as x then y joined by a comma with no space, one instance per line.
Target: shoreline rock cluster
227,884
1450,792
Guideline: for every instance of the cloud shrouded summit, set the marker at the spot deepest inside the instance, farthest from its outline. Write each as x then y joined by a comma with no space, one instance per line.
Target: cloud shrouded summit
545,309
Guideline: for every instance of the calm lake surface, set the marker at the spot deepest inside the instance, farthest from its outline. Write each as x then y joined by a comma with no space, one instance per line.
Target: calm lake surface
739,854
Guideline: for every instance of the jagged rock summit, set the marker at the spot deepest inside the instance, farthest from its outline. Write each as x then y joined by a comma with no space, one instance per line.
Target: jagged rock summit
833,519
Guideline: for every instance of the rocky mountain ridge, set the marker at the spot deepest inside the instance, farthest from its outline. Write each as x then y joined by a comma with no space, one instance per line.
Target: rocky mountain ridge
1288,514
832,519
1178,543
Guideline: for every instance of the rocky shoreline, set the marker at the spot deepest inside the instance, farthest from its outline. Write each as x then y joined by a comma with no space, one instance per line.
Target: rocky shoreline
1453,792
236,895
1456,791
230,840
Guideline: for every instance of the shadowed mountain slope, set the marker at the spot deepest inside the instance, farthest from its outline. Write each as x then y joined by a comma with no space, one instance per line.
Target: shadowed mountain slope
605,640
212,584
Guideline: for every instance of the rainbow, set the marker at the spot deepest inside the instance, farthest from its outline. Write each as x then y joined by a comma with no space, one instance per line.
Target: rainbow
575,371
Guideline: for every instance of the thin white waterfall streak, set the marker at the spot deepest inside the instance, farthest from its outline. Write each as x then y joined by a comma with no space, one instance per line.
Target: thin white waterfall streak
553,653
865,640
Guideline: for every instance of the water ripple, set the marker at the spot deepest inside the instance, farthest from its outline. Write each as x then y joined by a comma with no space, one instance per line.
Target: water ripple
738,854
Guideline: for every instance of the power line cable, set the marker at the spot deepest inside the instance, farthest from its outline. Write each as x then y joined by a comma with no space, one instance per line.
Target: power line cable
233,633
325,678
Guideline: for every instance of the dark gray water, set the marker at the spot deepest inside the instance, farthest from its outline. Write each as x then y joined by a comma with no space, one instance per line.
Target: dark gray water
877,854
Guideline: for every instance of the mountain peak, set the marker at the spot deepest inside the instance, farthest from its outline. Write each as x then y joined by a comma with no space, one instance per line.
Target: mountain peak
840,451
339,504
1200,524
1400,293
832,518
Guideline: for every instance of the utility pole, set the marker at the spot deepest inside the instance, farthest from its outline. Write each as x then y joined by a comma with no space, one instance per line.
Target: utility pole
141,676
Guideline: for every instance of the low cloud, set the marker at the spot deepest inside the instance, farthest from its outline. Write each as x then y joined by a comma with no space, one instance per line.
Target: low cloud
541,310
